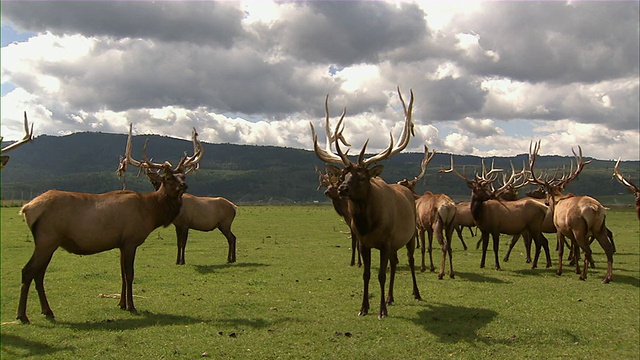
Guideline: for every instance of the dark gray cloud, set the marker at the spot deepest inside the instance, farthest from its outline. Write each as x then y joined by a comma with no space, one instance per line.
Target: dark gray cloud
555,41
190,21
244,77
351,32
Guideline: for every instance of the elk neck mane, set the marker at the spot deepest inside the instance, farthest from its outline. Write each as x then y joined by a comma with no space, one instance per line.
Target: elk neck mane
167,207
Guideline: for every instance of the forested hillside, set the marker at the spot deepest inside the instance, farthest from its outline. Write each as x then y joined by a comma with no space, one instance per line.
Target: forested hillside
87,162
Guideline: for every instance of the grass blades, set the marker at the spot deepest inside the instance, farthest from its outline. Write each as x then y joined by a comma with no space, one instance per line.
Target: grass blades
292,295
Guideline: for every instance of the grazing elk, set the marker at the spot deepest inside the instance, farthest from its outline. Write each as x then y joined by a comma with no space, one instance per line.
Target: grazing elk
435,213
86,224
575,217
202,214
383,216
28,136
330,182
631,187
494,217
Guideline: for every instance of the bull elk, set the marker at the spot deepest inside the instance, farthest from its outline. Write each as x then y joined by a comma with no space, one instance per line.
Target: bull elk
202,214
626,182
435,213
575,217
86,224
383,216
494,217
330,182
28,136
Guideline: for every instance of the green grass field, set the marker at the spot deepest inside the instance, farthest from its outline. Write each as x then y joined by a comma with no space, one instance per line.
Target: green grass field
292,295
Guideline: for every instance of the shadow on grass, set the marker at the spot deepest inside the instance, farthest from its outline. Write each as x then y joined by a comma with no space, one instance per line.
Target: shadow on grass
142,320
20,347
536,272
207,269
479,278
452,324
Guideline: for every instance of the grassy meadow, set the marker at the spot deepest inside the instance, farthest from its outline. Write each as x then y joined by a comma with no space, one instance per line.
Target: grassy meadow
293,295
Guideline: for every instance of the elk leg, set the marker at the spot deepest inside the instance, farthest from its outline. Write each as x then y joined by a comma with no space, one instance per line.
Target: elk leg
366,275
485,244
356,244
514,241
609,249
422,248
231,241
39,282
560,245
496,245
35,269
430,236
181,234
394,262
448,238
527,247
127,258
382,278
458,230
443,246
410,254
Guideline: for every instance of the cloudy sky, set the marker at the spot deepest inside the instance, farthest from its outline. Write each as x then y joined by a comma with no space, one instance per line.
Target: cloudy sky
488,77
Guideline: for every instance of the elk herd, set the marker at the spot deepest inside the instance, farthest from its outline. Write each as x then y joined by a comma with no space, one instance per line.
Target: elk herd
380,215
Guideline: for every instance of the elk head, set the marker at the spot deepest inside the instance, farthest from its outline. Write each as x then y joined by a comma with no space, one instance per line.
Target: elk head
28,136
171,179
411,184
482,184
353,175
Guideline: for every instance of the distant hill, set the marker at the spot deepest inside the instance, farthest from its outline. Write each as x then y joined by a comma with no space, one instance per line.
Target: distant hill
86,162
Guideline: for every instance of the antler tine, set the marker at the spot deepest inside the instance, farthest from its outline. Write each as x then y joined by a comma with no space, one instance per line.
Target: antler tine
323,155
534,149
425,161
454,171
189,164
405,136
28,136
622,179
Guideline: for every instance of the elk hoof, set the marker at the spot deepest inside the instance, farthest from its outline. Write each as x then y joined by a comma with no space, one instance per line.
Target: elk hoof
24,319
606,280
452,276
440,276
363,313
549,265
48,314
558,272
432,269
583,278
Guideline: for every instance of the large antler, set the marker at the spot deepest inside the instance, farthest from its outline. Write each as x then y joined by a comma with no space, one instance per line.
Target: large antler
616,173
341,158
28,136
411,184
405,136
186,165
485,179
552,184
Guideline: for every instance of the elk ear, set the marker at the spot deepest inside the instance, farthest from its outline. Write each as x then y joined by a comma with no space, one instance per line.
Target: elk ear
376,170
334,170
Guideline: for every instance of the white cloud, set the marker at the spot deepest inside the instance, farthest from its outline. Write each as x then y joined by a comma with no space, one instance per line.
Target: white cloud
256,72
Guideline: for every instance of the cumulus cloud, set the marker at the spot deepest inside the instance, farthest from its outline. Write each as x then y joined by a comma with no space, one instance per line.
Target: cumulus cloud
258,72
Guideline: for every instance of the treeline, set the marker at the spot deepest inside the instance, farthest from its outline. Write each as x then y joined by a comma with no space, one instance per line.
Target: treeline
87,162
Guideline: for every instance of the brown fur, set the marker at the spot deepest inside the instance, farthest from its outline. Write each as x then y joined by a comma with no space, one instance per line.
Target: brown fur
435,213
205,214
383,217
87,224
